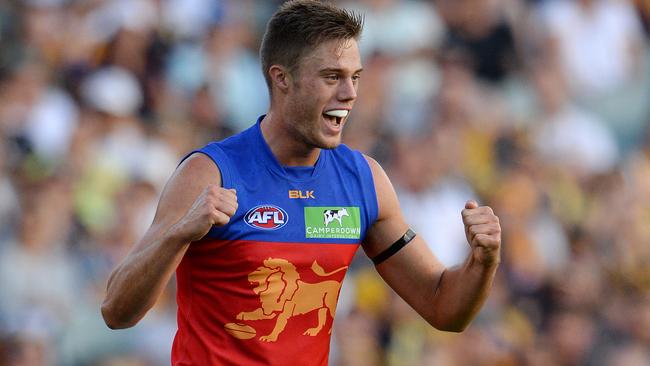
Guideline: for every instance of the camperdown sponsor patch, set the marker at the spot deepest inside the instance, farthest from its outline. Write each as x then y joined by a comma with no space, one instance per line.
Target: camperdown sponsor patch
333,222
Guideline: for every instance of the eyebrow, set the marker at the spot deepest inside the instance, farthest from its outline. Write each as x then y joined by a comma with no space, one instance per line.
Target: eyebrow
338,70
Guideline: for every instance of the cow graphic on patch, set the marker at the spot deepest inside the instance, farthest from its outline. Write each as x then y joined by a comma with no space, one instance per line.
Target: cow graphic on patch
333,222
331,215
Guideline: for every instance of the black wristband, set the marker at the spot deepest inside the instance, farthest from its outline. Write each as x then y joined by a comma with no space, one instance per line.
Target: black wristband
399,244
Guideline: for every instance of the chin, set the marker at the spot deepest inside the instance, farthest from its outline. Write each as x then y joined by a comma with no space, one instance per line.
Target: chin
329,144
322,141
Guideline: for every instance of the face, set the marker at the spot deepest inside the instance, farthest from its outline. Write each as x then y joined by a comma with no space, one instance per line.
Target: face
322,93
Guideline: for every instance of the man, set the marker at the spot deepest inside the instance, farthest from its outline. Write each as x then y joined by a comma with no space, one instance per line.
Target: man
261,227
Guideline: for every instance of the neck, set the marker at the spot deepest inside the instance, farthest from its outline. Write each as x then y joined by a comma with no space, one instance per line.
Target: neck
287,148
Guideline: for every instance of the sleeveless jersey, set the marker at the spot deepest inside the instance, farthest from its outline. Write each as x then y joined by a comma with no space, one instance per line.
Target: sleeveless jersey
262,290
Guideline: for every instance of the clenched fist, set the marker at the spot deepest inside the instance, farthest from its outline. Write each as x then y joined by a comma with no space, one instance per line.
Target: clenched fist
213,207
483,233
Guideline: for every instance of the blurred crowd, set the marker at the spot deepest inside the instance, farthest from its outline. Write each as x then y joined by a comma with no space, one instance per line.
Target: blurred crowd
539,108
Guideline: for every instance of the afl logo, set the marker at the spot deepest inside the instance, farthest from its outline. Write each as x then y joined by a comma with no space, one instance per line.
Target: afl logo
266,217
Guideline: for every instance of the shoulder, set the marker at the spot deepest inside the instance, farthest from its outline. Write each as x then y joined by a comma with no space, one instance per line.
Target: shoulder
378,174
387,202
226,156
372,163
191,177
197,166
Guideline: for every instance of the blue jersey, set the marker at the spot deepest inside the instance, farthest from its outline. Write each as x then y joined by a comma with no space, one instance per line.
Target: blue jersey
263,288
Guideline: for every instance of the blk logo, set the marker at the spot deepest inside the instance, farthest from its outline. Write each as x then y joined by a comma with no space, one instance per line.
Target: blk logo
297,194
266,217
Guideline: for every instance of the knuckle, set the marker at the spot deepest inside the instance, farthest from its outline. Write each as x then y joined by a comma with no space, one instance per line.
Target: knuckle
217,200
210,196
221,219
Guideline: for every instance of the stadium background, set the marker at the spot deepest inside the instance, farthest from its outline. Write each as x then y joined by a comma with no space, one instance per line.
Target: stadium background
538,108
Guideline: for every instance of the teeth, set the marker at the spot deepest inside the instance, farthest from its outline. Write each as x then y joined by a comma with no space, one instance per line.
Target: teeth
340,113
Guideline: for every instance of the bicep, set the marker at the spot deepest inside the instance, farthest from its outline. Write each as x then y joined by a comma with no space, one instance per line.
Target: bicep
413,272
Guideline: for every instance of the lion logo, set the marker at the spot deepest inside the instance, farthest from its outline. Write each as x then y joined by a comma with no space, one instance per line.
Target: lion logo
283,294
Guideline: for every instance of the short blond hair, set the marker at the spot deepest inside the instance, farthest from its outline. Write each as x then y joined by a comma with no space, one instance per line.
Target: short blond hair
299,26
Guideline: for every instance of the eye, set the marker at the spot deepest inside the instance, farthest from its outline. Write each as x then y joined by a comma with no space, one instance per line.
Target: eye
332,77
356,78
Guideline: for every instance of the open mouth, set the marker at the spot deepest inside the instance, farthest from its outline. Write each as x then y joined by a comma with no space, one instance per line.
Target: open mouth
336,115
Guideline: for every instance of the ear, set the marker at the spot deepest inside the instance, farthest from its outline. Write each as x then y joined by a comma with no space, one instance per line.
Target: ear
280,78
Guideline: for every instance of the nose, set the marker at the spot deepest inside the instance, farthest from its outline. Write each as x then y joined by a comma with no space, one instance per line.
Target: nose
347,90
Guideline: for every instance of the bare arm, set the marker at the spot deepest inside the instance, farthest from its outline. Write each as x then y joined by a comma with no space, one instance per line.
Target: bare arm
448,298
191,203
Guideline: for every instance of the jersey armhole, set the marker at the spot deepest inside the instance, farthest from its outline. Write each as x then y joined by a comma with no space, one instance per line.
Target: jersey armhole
219,158
369,191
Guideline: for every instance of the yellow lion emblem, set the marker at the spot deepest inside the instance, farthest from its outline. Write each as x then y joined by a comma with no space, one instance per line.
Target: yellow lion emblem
283,294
